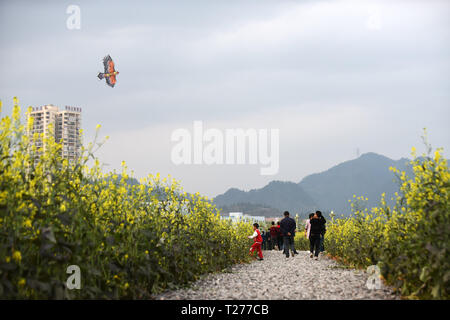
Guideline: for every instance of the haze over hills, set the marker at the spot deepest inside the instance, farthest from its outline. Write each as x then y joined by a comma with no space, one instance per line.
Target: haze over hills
367,176
270,200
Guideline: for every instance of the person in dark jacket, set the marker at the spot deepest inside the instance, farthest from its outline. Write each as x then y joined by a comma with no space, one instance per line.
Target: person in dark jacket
314,236
264,238
268,240
323,230
287,228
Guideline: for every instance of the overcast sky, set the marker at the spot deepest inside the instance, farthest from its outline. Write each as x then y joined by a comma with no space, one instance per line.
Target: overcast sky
332,76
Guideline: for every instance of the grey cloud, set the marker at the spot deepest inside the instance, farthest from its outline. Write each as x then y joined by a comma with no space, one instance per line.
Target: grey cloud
182,61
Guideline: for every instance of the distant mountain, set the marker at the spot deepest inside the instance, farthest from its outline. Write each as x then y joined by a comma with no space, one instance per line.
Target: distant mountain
277,195
368,176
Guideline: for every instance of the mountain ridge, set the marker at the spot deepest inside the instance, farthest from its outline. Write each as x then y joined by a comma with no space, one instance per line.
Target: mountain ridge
329,190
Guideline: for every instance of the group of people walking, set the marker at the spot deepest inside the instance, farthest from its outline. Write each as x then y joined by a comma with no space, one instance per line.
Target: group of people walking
282,236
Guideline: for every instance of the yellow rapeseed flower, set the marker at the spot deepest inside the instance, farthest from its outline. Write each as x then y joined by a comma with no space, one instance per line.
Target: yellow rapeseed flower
17,256
27,223
21,282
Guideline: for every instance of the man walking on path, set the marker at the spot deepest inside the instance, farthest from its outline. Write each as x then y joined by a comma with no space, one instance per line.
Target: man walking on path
323,230
314,236
287,227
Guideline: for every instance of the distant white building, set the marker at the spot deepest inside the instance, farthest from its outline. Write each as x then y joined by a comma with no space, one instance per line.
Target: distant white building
254,218
238,216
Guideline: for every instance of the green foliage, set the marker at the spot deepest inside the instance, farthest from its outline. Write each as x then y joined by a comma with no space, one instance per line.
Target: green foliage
130,240
409,241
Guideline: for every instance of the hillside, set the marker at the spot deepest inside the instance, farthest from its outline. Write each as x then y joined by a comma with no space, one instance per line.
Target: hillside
277,195
367,176
330,190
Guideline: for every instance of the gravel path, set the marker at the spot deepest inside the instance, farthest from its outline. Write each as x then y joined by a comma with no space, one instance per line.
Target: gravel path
279,278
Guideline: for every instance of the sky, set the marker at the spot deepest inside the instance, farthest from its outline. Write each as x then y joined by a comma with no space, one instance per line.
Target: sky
331,76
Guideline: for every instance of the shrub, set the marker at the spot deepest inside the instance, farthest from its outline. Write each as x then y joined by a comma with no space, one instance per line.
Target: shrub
300,240
130,240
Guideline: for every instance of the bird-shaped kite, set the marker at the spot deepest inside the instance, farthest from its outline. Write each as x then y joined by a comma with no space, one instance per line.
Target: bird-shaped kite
110,73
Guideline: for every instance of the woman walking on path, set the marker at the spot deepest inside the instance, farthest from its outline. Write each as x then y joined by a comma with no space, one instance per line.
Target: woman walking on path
308,226
256,236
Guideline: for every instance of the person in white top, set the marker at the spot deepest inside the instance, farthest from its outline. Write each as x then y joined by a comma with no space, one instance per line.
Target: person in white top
308,225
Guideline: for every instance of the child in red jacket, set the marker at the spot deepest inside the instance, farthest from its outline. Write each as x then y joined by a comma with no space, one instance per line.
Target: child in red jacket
258,241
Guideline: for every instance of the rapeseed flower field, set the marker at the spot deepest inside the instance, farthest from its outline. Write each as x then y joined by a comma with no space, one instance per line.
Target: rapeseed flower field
135,240
409,241
130,241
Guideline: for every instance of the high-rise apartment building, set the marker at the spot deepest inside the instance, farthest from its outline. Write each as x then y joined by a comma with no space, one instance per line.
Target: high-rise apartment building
66,128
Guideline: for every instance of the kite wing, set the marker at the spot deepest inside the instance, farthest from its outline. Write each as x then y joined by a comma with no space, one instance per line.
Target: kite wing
111,80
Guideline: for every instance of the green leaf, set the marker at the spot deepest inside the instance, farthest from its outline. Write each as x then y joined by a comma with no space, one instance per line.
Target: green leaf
436,291
424,275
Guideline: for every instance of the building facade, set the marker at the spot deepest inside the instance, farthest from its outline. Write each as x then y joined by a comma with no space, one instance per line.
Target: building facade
66,124
239,216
